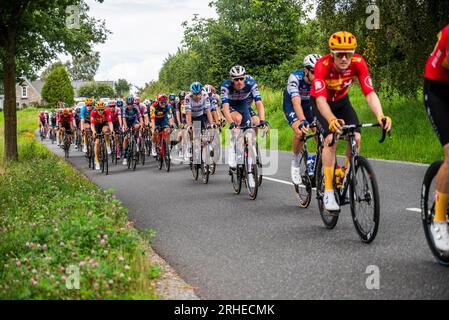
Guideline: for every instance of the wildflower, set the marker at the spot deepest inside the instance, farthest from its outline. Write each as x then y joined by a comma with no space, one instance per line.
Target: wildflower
126,267
62,244
45,247
34,271
18,263
82,263
102,242
121,258
33,282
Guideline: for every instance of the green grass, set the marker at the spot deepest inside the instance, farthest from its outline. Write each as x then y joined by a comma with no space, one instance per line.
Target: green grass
413,138
52,217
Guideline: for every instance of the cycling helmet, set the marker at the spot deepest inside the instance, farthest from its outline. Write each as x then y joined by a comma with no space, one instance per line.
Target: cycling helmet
310,60
129,100
182,95
237,72
119,103
147,102
89,102
78,110
137,100
342,41
196,88
210,90
162,98
99,105
52,110
112,103
66,111
171,96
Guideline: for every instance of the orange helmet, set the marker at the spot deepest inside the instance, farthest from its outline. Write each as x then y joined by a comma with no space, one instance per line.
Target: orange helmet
66,111
99,105
342,41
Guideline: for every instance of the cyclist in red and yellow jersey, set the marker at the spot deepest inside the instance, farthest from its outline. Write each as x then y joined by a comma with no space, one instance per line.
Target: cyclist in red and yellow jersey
334,73
436,99
66,122
100,122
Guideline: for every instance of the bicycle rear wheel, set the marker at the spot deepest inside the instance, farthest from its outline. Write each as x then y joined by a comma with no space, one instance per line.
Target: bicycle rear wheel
252,189
167,159
104,159
330,220
236,179
304,191
428,211
364,200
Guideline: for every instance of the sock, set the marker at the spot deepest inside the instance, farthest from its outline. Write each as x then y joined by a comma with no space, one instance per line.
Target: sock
296,159
328,177
346,162
441,203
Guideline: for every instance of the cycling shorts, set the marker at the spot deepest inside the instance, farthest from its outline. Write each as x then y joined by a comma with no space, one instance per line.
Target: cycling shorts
436,100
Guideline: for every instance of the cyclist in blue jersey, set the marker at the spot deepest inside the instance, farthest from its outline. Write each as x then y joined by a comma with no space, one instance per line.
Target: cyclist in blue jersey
298,109
234,95
132,119
85,119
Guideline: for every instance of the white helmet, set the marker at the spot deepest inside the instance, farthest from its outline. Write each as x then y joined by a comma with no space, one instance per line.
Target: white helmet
237,72
310,60
147,102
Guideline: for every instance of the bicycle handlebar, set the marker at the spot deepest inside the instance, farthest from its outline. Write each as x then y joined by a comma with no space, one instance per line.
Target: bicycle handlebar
352,127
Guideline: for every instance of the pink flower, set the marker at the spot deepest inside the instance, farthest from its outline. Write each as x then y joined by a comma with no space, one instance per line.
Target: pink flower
92,261
121,258
62,269
33,282
106,252
90,213
63,278
82,263
126,267
102,242
45,247
105,236
52,277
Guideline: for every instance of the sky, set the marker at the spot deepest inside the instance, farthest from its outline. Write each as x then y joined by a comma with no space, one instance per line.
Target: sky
144,33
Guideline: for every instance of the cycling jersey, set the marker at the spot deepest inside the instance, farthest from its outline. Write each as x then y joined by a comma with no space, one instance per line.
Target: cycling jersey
85,114
215,102
132,115
53,121
99,118
142,109
437,66
297,87
113,113
333,85
42,118
238,99
197,107
65,119
160,114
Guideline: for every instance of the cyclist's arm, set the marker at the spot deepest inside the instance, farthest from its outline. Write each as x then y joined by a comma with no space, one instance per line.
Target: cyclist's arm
209,116
324,108
298,108
227,113
260,110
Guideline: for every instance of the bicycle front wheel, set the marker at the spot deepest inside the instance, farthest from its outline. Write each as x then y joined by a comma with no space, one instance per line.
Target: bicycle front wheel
364,200
428,211
251,181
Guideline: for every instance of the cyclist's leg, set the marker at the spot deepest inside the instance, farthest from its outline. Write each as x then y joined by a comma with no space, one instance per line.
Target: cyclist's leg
436,98
346,112
98,129
237,118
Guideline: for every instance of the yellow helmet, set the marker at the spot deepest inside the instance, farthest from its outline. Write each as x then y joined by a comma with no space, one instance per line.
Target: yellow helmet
89,101
99,105
342,41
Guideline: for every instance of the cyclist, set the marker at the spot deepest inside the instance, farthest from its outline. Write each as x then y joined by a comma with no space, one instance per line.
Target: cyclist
114,112
334,73
52,121
215,103
42,122
66,124
234,94
298,110
436,98
47,118
77,118
160,118
85,120
58,131
132,119
100,122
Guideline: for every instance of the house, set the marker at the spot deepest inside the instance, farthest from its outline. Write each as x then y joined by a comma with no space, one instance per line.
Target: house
28,93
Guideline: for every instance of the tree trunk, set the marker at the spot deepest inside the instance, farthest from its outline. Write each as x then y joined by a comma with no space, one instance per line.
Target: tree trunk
9,82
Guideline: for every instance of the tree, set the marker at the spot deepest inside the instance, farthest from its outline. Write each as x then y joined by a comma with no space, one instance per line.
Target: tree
84,67
32,32
58,86
50,68
122,87
96,90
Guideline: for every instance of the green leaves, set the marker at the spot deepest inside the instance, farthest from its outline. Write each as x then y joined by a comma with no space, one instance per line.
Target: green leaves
96,90
58,86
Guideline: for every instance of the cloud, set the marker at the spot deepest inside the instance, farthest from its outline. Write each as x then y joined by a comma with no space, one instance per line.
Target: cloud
145,32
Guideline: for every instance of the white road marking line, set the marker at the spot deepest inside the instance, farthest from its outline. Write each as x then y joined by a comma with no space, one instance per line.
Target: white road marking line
414,209
283,182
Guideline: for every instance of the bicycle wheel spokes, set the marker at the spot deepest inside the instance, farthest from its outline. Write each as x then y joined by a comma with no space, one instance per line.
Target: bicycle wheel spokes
236,179
251,179
304,190
364,199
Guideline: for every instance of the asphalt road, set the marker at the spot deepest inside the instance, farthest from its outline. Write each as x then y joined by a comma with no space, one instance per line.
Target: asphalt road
229,247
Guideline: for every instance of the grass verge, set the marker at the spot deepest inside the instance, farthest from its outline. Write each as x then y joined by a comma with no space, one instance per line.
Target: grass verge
55,223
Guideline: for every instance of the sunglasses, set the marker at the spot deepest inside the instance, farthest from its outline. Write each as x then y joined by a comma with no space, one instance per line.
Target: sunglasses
238,79
340,55
312,71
